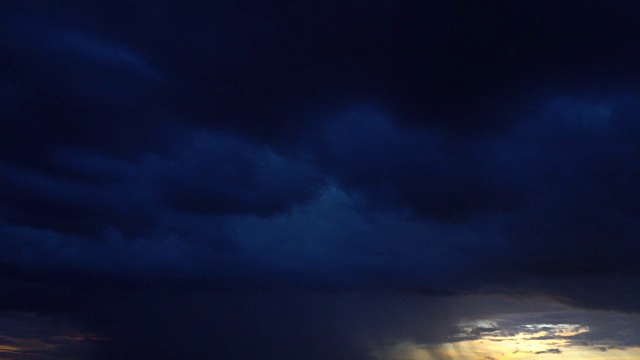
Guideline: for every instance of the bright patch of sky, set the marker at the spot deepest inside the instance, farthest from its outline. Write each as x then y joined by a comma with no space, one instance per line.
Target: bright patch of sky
520,331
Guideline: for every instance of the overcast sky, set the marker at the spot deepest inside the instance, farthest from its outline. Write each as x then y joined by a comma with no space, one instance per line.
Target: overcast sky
319,180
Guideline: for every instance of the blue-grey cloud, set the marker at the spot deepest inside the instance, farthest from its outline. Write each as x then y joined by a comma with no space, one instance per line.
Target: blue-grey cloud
426,148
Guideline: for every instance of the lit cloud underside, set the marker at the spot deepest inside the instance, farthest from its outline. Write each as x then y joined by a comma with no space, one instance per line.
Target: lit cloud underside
533,329
506,349
528,349
25,336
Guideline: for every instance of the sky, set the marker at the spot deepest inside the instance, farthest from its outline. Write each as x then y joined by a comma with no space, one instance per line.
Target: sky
380,180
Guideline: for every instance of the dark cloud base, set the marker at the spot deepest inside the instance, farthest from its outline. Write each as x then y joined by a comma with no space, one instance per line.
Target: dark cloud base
432,148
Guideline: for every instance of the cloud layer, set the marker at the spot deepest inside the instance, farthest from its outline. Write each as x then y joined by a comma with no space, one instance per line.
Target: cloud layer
441,148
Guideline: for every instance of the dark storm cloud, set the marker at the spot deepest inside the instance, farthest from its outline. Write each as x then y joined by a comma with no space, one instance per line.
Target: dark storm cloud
429,147
281,325
549,351
134,220
400,167
73,88
218,173
460,65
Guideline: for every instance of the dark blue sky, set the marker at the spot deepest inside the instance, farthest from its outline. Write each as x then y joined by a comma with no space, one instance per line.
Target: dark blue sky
168,167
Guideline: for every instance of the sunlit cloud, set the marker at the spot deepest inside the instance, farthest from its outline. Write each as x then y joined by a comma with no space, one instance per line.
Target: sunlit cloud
520,331
26,336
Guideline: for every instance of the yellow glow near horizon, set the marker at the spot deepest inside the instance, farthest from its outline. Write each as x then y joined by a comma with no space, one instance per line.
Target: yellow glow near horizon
504,350
8,349
527,349
25,346
535,341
